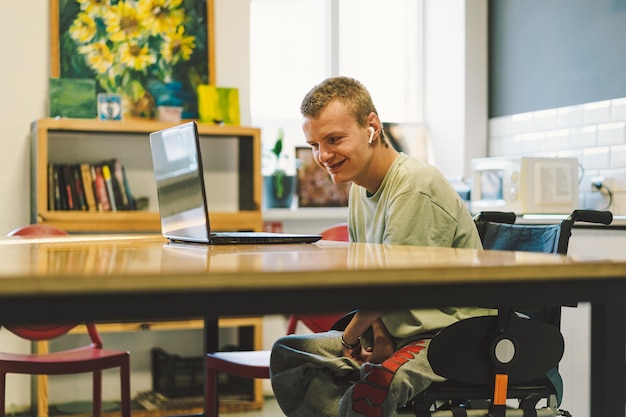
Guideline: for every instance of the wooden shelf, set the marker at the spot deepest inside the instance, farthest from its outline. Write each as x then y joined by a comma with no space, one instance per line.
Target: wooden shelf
99,140
139,221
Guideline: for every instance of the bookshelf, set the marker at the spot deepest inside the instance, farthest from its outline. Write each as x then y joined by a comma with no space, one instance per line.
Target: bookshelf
231,159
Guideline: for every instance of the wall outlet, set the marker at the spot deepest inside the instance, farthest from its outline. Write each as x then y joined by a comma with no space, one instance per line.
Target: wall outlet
601,182
596,183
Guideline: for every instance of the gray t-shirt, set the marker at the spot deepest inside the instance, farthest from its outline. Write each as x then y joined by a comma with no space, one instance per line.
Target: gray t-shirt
415,205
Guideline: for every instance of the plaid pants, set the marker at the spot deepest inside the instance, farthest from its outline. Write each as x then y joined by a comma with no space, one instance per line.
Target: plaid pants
310,378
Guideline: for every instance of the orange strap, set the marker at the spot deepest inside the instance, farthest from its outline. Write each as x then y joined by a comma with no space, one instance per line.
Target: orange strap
500,389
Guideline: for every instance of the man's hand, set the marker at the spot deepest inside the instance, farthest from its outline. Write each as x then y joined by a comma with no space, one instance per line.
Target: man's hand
381,338
382,347
353,353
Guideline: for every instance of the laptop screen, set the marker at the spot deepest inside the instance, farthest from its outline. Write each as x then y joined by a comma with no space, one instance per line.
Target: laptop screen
180,185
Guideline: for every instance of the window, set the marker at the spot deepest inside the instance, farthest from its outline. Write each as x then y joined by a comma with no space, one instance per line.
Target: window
295,44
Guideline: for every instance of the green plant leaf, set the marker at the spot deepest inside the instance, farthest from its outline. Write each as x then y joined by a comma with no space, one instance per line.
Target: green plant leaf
278,146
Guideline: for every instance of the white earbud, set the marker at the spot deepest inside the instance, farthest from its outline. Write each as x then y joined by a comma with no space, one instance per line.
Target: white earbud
372,131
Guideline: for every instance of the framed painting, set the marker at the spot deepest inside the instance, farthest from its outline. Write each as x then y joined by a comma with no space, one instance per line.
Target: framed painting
152,53
315,188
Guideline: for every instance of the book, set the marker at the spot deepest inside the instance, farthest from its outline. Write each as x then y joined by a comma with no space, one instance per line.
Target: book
102,186
68,185
106,174
129,195
59,189
92,171
77,178
118,175
90,197
51,187
101,189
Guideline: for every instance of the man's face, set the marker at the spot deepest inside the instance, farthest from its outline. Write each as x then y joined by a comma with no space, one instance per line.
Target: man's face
340,146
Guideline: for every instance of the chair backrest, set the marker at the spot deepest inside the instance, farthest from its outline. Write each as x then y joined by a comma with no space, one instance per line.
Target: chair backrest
316,323
498,232
338,232
37,332
40,332
37,230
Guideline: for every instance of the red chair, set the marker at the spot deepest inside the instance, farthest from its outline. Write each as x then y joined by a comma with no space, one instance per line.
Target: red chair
256,364
338,232
92,358
37,230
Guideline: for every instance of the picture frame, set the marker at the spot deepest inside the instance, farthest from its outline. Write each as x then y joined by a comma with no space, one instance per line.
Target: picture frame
109,106
315,188
135,62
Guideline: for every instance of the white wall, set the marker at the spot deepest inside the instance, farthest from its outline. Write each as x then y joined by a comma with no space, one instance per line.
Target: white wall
455,82
594,133
23,95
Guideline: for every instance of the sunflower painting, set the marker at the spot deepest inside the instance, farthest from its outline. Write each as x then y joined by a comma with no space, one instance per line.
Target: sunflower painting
152,52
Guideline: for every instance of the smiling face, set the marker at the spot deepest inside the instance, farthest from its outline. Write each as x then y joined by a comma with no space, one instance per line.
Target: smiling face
340,145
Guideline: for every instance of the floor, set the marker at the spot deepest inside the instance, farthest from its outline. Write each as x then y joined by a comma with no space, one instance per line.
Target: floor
270,409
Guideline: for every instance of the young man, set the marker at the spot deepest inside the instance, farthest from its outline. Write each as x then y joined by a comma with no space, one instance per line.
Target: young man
394,199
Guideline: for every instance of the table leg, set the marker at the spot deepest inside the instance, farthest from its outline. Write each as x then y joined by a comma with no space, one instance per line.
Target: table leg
211,344
608,354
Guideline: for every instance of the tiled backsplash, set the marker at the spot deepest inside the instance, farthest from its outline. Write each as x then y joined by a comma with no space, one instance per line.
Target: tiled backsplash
595,133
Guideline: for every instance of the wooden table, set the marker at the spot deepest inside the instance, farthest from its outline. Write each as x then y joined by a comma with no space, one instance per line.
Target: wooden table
133,278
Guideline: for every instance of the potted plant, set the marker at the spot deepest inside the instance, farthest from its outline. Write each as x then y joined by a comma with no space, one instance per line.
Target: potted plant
279,177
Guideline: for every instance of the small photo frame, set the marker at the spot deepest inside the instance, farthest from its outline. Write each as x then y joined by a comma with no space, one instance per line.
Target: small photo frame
109,106
315,188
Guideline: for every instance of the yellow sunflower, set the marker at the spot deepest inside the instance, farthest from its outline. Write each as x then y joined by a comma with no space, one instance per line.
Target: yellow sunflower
123,23
177,47
95,8
83,28
98,56
135,56
159,16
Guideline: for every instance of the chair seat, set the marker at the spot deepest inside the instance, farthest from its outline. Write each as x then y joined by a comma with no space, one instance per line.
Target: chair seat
73,361
251,364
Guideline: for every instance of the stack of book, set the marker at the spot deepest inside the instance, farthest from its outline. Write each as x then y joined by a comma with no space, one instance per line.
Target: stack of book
89,187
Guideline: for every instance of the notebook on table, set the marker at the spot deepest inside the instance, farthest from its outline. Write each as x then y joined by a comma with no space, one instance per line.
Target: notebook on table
183,208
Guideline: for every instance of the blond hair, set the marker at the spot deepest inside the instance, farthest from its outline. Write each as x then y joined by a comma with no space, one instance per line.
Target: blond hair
348,91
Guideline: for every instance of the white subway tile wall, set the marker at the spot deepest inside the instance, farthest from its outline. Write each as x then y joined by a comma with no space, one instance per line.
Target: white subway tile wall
595,133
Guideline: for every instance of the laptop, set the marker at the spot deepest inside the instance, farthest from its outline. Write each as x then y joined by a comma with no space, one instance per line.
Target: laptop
181,193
